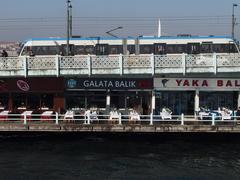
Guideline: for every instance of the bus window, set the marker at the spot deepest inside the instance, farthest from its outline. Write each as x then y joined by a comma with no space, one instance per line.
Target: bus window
160,48
115,49
233,48
146,49
131,49
207,47
64,49
101,49
193,48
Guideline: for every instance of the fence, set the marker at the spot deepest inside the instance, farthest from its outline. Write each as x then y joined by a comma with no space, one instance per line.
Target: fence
122,119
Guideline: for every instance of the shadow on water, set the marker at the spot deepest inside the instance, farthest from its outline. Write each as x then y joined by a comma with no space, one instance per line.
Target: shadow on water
119,156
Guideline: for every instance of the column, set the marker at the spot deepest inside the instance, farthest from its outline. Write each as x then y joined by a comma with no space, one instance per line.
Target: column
153,102
238,102
108,99
196,101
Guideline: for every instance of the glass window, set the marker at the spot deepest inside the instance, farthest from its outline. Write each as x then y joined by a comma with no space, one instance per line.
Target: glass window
215,100
80,50
115,49
102,49
159,48
207,47
193,48
4,101
89,49
47,100
146,49
131,49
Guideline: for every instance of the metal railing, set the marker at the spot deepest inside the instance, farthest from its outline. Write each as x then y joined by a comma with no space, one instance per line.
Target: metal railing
119,64
151,119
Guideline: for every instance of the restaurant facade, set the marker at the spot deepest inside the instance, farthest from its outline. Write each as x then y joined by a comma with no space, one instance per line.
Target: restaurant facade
180,95
188,95
106,93
35,93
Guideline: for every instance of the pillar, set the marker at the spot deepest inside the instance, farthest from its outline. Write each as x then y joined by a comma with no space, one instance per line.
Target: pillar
196,101
108,100
238,102
153,102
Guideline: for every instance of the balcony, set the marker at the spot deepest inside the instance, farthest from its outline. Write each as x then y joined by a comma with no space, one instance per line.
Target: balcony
119,65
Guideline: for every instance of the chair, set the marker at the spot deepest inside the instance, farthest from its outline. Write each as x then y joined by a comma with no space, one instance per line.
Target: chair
134,116
114,115
166,114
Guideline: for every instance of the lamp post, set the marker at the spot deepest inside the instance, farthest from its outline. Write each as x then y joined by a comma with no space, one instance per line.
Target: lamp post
68,26
110,31
70,21
233,20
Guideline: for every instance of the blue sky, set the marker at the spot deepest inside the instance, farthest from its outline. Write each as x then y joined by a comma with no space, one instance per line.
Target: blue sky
23,19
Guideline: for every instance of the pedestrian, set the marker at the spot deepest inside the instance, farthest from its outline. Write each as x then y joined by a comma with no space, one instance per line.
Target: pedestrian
4,53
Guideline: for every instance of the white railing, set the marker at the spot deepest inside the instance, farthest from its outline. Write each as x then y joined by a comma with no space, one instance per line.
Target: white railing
119,64
151,119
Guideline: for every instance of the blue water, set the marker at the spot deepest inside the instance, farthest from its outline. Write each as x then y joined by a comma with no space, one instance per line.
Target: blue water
113,157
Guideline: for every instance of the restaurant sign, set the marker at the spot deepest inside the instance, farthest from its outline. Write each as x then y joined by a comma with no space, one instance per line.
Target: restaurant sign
34,84
196,83
108,83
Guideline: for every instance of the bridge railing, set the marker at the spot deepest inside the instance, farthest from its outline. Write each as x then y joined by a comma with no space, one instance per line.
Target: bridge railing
119,64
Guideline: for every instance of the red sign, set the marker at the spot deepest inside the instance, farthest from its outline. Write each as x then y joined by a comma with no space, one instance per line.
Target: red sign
39,84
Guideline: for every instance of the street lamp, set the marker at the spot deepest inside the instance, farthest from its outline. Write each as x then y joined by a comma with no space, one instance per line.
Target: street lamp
110,31
70,21
69,6
233,20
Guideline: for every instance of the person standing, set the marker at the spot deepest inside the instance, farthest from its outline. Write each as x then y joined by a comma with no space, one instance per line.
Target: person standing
4,53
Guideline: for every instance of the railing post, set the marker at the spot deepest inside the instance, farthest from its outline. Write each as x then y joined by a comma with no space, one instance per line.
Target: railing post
89,65
120,119
25,65
182,119
151,119
153,63
57,65
121,64
25,118
56,117
213,119
88,119
215,63
184,63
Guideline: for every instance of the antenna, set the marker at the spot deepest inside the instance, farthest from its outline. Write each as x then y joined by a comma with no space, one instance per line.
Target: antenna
159,28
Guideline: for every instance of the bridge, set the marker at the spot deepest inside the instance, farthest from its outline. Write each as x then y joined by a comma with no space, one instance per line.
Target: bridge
119,65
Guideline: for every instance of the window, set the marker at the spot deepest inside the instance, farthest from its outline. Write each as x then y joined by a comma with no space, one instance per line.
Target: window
232,48
160,48
221,48
64,49
193,48
83,50
115,49
102,49
207,47
80,50
45,50
146,49
131,49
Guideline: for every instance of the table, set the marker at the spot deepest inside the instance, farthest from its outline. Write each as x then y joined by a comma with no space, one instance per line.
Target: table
28,115
4,115
47,116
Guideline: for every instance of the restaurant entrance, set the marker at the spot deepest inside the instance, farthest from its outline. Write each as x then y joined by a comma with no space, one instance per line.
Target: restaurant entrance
177,101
